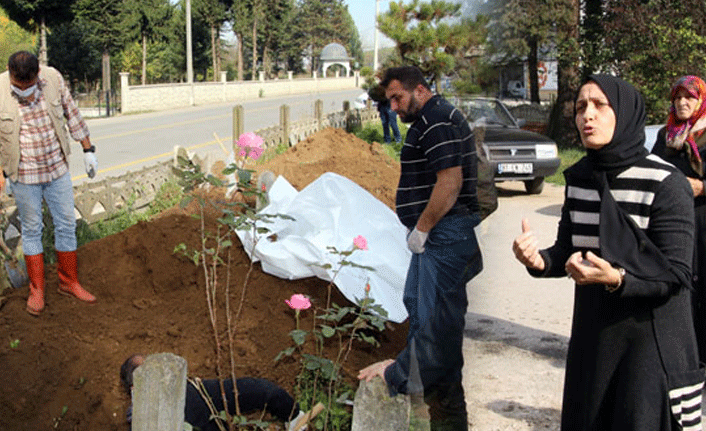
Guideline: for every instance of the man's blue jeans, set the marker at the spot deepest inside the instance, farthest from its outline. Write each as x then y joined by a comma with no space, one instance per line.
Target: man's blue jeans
435,297
59,196
450,259
389,119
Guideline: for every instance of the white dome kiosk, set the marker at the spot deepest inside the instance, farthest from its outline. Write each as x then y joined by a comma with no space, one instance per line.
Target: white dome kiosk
335,53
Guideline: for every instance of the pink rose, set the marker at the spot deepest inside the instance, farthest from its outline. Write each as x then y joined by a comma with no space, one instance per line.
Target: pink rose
250,140
250,145
298,302
360,242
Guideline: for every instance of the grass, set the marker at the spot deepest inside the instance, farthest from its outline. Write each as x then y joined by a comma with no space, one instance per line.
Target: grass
372,132
568,157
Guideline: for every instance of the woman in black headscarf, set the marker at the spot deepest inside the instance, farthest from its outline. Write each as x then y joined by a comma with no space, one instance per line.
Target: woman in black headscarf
626,239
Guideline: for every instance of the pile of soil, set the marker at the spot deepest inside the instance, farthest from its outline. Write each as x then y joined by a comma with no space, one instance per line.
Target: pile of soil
151,300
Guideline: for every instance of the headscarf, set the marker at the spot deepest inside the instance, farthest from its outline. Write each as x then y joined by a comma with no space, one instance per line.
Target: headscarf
628,143
622,242
681,131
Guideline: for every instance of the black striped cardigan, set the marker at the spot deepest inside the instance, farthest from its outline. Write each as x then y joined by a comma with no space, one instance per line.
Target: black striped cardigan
658,198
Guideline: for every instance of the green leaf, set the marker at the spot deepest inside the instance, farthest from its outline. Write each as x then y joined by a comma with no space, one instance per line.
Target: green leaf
327,331
299,336
286,352
186,201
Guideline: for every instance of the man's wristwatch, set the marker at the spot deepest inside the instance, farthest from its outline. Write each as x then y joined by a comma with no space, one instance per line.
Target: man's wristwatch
621,272
91,149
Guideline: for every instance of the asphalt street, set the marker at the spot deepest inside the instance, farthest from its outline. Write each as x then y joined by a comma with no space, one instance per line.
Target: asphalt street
517,327
129,142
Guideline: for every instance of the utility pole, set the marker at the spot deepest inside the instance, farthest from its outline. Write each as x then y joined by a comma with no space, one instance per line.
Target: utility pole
189,58
375,49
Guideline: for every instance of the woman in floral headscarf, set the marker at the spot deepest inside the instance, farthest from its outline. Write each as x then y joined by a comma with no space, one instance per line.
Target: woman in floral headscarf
683,143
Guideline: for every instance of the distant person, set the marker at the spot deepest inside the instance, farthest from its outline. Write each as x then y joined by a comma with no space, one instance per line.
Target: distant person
37,109
388,117
682,142
253,395
437,202
626,238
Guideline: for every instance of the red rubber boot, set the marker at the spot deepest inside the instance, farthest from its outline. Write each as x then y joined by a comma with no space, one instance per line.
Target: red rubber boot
35,272
68,277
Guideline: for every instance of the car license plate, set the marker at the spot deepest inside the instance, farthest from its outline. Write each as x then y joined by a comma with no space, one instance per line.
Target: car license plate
516,168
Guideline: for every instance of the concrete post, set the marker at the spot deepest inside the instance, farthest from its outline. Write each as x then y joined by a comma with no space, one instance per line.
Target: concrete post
261,76
159,393
125,92
314,74
338,73
284,123
224,76
290,75
374,409
238,124
319,113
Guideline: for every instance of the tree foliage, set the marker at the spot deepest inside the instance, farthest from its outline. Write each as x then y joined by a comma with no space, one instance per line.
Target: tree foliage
145,21
13,38
34,15
313,32
214,13
653,42
270,35
433,37
532,25
78,61
29,14
422,32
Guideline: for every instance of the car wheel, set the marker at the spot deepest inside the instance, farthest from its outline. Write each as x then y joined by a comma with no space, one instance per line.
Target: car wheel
535,185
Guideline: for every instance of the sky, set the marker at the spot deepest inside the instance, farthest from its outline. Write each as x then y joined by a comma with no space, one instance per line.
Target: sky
363,13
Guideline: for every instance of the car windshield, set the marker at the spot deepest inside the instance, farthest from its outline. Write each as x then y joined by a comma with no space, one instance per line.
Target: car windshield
486,111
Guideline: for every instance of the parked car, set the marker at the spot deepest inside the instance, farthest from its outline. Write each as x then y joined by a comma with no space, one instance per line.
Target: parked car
651,135
514,153
361,101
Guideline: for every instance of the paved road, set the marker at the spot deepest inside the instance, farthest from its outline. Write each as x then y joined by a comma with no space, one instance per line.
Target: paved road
129,142
517,327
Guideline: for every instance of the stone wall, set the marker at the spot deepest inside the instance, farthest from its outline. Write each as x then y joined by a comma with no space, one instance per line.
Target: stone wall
136,98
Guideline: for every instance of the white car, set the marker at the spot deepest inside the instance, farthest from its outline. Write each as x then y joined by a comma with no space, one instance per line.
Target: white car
360,101
651,135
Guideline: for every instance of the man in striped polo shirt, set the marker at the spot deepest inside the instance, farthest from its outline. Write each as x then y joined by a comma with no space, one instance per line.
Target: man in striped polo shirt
437,202
36,109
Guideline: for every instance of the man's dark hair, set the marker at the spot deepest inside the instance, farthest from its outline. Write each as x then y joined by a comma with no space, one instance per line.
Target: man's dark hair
126,372
409,76
23,66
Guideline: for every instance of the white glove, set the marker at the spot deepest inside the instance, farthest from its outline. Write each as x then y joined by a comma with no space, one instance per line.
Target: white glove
416,240
91,163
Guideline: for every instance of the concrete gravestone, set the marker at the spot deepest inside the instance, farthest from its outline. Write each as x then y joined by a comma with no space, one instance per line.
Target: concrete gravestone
159,393
375,409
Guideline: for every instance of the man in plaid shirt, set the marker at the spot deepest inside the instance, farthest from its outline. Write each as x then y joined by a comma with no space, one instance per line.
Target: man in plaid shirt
36,109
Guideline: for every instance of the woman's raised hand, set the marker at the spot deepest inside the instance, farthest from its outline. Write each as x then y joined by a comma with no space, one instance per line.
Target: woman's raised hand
526,250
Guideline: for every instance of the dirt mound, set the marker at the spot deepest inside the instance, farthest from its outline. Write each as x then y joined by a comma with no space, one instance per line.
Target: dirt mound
334,150
151,300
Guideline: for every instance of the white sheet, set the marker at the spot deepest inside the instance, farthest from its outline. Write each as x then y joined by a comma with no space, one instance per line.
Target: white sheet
332,211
